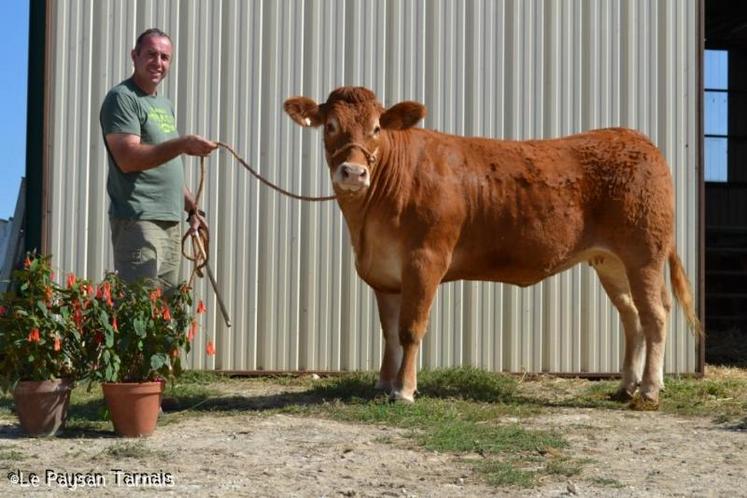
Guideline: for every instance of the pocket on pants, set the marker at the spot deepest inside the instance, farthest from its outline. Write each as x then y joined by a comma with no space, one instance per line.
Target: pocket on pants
134,255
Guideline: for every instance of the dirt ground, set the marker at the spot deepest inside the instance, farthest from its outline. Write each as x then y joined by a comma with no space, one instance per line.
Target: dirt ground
250,454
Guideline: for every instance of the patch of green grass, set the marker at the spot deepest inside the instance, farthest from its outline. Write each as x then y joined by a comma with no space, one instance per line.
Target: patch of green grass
563,466
724,399
460,436
352,386
137,450
467,383
11,455
501,473
607,482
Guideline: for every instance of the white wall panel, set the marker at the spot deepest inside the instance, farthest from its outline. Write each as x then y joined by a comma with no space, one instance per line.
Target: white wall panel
499,68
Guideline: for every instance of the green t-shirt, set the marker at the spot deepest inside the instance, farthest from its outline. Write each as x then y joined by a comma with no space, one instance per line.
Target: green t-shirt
154,194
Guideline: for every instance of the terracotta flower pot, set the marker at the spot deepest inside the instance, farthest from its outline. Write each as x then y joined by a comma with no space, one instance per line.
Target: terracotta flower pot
133,406
41,405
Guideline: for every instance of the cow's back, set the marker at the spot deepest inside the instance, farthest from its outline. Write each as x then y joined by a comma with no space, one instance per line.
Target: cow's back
533,207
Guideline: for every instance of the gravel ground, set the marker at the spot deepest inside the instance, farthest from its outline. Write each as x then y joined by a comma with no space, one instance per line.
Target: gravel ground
250,454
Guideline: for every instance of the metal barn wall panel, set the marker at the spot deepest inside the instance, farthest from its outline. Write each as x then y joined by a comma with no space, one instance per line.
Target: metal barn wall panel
503,68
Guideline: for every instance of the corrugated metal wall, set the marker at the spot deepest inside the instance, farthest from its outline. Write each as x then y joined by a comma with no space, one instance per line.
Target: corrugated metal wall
513,69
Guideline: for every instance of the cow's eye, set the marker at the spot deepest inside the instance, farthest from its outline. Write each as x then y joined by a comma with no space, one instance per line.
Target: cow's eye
330,127
377,130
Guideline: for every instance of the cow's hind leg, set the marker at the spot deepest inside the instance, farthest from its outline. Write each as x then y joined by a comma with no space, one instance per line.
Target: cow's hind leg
646,285
389,305
611,272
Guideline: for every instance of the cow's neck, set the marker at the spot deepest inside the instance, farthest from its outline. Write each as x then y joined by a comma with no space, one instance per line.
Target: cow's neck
354,211
387,191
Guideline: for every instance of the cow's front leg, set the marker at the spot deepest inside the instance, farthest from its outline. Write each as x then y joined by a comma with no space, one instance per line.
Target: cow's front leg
389,305
420,280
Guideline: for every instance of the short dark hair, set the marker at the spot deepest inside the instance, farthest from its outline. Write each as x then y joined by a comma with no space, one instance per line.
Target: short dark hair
145,34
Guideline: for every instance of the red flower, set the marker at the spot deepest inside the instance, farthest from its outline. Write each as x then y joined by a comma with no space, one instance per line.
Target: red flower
57,344
3,310
201,307
105,293
192,331
48,295
77,315
33,335
89,290
210,348
71,280
27,262
166,313
115,325
155,295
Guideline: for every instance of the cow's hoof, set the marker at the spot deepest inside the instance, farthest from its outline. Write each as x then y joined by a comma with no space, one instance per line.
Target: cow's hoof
399,397
644,403
622,395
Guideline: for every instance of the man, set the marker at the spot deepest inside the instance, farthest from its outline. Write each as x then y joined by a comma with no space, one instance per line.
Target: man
146,177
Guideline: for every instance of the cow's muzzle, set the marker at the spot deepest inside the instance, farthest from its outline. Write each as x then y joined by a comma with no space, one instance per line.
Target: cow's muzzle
351,176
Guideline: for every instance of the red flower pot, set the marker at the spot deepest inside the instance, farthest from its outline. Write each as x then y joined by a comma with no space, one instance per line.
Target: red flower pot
134,406
42,405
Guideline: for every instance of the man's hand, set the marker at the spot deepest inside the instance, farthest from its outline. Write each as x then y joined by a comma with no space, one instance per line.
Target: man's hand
195,145
197,222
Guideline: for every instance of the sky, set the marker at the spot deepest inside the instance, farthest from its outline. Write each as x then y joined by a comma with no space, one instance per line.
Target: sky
14,25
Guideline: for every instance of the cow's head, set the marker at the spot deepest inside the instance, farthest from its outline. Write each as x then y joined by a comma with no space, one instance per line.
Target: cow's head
355,131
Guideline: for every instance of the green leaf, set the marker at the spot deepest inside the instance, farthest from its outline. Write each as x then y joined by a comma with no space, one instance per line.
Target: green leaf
139,326
158,360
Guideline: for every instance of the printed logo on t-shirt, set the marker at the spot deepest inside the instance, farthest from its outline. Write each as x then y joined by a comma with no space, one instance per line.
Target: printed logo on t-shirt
163,118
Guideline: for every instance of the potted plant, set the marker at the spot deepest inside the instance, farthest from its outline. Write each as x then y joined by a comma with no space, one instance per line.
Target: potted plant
137,339
41,352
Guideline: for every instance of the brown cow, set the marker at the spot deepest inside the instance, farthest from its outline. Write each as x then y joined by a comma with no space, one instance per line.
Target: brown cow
425,207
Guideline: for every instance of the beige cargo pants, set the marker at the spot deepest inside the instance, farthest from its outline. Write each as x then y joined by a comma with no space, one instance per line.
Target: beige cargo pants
145,249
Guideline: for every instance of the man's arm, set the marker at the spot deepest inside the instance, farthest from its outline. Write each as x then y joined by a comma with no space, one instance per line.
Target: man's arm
131,155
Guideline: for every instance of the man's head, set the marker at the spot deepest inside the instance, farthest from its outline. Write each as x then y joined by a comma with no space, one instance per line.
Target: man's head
151,58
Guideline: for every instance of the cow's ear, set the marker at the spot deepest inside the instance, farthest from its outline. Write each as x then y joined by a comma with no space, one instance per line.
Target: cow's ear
403,115
304,111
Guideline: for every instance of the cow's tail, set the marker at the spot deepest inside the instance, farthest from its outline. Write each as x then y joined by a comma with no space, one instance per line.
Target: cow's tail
683,291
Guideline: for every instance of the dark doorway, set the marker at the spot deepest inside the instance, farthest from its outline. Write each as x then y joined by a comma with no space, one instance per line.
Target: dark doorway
725,154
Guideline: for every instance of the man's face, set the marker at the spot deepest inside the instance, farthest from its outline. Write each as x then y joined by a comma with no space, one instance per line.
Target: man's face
152,61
